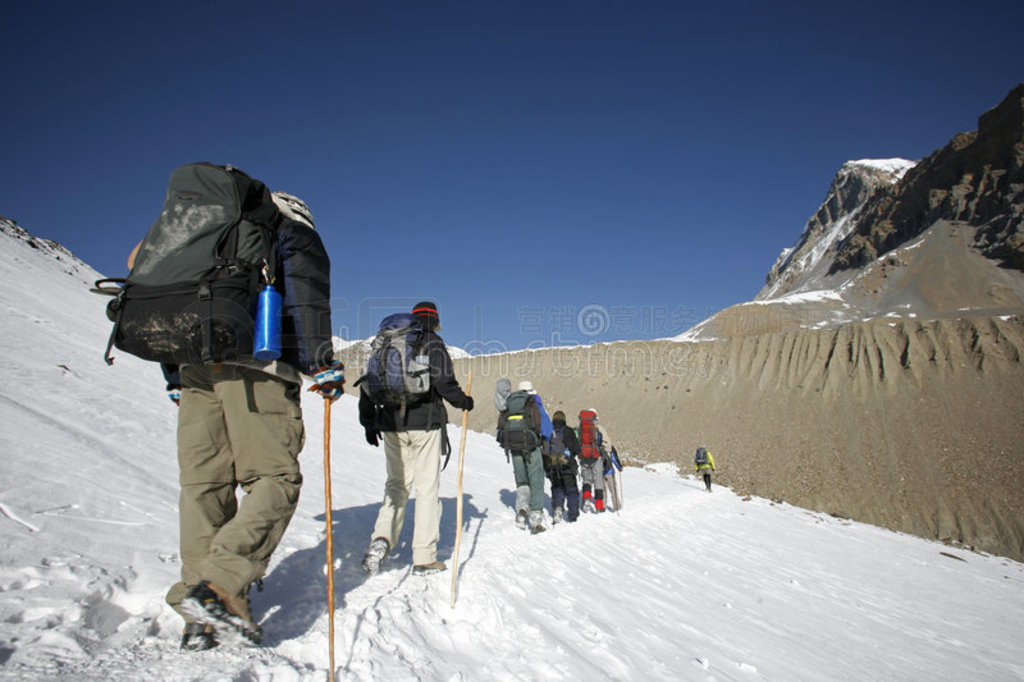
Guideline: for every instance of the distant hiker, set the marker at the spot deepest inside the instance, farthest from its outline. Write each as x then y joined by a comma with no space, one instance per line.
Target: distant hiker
523,425
611,485
593,445
239,418
704,464
560,466
413,428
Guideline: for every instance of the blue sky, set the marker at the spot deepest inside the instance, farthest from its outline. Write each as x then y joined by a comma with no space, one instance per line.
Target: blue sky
548,172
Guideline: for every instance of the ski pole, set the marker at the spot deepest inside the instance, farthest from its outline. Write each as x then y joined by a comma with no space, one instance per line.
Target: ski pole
330,531
458,500
621,490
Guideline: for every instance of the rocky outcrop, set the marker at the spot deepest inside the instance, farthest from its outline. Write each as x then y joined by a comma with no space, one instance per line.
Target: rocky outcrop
854,184
977,179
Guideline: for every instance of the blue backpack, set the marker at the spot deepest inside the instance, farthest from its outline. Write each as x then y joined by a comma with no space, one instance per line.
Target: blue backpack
398,372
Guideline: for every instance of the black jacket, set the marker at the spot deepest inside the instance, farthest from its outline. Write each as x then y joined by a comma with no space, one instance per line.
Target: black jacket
304,277
572,444
429,413
568,437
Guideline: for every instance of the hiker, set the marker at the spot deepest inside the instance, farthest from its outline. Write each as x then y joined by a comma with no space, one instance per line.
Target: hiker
414,436
611,465
523,425
704,464
594,443
240,426
560,466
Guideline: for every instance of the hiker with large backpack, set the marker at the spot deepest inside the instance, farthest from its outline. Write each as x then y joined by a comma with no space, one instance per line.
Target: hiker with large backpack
190,302
594,443
523,426
408,377
560,466
704,464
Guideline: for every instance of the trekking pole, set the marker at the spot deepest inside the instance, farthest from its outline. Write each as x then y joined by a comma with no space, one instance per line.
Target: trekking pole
620,489
330,531
458,500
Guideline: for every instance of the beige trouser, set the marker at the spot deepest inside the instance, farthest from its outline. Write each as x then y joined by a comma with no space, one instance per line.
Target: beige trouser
413,457
237,427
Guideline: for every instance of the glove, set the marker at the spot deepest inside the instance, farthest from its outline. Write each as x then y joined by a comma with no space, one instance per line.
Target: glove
174,393
467,404
373,437
329,381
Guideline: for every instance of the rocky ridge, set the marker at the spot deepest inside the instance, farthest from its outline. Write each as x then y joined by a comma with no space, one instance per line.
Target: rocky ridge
977,179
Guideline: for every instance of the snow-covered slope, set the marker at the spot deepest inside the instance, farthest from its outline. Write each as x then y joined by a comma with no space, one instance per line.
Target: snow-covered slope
681,585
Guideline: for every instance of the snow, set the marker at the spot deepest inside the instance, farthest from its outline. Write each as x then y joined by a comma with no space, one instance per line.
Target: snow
680,585
896,166
799,297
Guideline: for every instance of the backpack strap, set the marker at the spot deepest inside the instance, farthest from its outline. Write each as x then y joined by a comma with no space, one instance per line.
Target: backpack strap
117,305
205,296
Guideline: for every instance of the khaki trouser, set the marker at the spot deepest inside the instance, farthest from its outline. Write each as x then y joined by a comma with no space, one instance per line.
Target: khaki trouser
237,427
413,457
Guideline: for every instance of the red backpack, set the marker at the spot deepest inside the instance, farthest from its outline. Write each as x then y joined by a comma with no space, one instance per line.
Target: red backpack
590,438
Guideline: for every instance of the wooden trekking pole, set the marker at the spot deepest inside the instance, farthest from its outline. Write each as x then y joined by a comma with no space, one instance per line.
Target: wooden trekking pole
458,500
330,532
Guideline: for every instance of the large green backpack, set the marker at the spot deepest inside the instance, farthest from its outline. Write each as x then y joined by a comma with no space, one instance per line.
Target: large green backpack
520,433
191,295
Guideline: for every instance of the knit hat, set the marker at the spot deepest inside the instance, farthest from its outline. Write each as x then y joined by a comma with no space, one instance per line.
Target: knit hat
426,313
558,416
526,386
293,207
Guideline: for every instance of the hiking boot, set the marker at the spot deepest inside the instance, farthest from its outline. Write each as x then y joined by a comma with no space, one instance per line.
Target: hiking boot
375,555
227,614
588,507
428,569
557,516
197,637
521,519
537,522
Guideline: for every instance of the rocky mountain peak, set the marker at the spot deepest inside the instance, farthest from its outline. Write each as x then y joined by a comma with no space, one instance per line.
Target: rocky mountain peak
853,185
940,238
976,180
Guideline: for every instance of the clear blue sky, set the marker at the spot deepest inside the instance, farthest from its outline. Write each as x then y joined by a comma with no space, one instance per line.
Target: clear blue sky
546,171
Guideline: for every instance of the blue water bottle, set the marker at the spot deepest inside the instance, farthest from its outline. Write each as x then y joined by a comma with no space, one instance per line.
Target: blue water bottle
268,325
